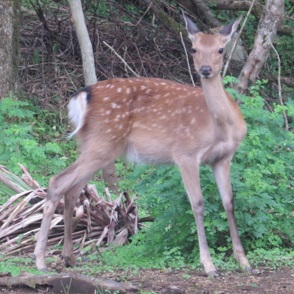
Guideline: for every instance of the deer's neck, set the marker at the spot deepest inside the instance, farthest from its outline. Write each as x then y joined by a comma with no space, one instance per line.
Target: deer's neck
219,104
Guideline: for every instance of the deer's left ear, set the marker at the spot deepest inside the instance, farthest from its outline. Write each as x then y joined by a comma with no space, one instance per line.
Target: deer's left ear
228,31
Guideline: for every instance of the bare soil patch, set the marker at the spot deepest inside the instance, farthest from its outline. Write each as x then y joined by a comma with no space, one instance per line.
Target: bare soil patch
190,282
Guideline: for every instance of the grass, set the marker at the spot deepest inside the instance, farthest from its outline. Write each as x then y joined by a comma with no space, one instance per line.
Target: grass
119,260
18,264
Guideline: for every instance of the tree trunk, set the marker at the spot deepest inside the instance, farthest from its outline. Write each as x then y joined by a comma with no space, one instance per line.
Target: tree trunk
109,173
266,32
238,5
84,41
9,46
206,13
170,23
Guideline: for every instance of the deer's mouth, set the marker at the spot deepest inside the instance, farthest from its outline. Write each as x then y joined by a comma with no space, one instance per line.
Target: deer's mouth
206,71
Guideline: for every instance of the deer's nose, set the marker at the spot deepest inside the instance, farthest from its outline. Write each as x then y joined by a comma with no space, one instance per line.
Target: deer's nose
205,70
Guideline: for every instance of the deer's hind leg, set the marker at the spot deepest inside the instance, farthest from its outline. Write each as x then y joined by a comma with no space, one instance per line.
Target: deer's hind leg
70,201
70,182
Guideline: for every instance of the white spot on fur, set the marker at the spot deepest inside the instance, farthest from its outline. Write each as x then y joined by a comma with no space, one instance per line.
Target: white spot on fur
114,105
117,117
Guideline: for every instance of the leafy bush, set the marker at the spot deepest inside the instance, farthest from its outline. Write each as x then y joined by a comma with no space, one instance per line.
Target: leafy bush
26,138
261,178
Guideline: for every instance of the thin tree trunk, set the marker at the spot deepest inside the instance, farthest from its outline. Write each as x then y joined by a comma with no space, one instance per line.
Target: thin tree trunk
9,46
109,173
84,41
266,32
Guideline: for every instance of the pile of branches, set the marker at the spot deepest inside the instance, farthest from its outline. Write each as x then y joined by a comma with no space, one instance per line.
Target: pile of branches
98,221
51,64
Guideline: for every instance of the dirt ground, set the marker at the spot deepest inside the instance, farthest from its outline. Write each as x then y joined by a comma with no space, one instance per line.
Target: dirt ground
187,281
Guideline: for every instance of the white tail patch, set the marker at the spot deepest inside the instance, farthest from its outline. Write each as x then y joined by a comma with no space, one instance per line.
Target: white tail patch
76,111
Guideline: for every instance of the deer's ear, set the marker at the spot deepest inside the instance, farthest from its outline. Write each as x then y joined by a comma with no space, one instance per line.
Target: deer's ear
190,27
228,31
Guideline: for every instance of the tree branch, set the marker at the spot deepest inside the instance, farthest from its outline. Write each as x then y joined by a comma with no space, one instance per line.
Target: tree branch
235,42
257,11
166,20
280,87
206,13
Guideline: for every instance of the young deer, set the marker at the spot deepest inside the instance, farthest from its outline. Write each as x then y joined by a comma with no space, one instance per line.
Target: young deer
151,120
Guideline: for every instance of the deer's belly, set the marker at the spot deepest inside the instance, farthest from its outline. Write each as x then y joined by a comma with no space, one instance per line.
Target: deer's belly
219,151
148,152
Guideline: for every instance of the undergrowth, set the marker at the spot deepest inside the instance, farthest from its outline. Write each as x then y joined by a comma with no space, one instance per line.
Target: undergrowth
16,265
33,137
134,257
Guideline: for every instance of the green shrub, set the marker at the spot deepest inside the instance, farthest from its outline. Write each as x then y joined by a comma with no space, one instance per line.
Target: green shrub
30,137
261,178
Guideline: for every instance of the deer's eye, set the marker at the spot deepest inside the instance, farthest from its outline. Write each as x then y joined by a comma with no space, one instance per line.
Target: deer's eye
193,50
221,50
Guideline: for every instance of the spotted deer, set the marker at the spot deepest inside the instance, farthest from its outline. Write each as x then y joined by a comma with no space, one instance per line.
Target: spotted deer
157,121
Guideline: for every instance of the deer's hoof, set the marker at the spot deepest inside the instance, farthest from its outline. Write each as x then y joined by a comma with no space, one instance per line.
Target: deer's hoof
69,261
247,269
212,274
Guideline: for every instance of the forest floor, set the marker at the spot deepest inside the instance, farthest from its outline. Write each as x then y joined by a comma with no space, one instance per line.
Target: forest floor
280,280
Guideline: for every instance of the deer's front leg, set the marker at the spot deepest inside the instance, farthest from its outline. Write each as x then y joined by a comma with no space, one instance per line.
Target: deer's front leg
222,176
190,174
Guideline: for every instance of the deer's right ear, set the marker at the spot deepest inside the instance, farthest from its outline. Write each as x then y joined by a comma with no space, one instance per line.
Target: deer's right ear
190,27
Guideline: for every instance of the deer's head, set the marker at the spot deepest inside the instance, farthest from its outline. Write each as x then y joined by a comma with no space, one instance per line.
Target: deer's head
208,49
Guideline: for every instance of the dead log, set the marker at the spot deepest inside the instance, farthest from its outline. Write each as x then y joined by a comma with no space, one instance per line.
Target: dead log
67,283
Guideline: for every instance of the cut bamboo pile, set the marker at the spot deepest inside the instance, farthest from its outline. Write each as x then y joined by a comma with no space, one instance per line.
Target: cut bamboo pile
97,221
